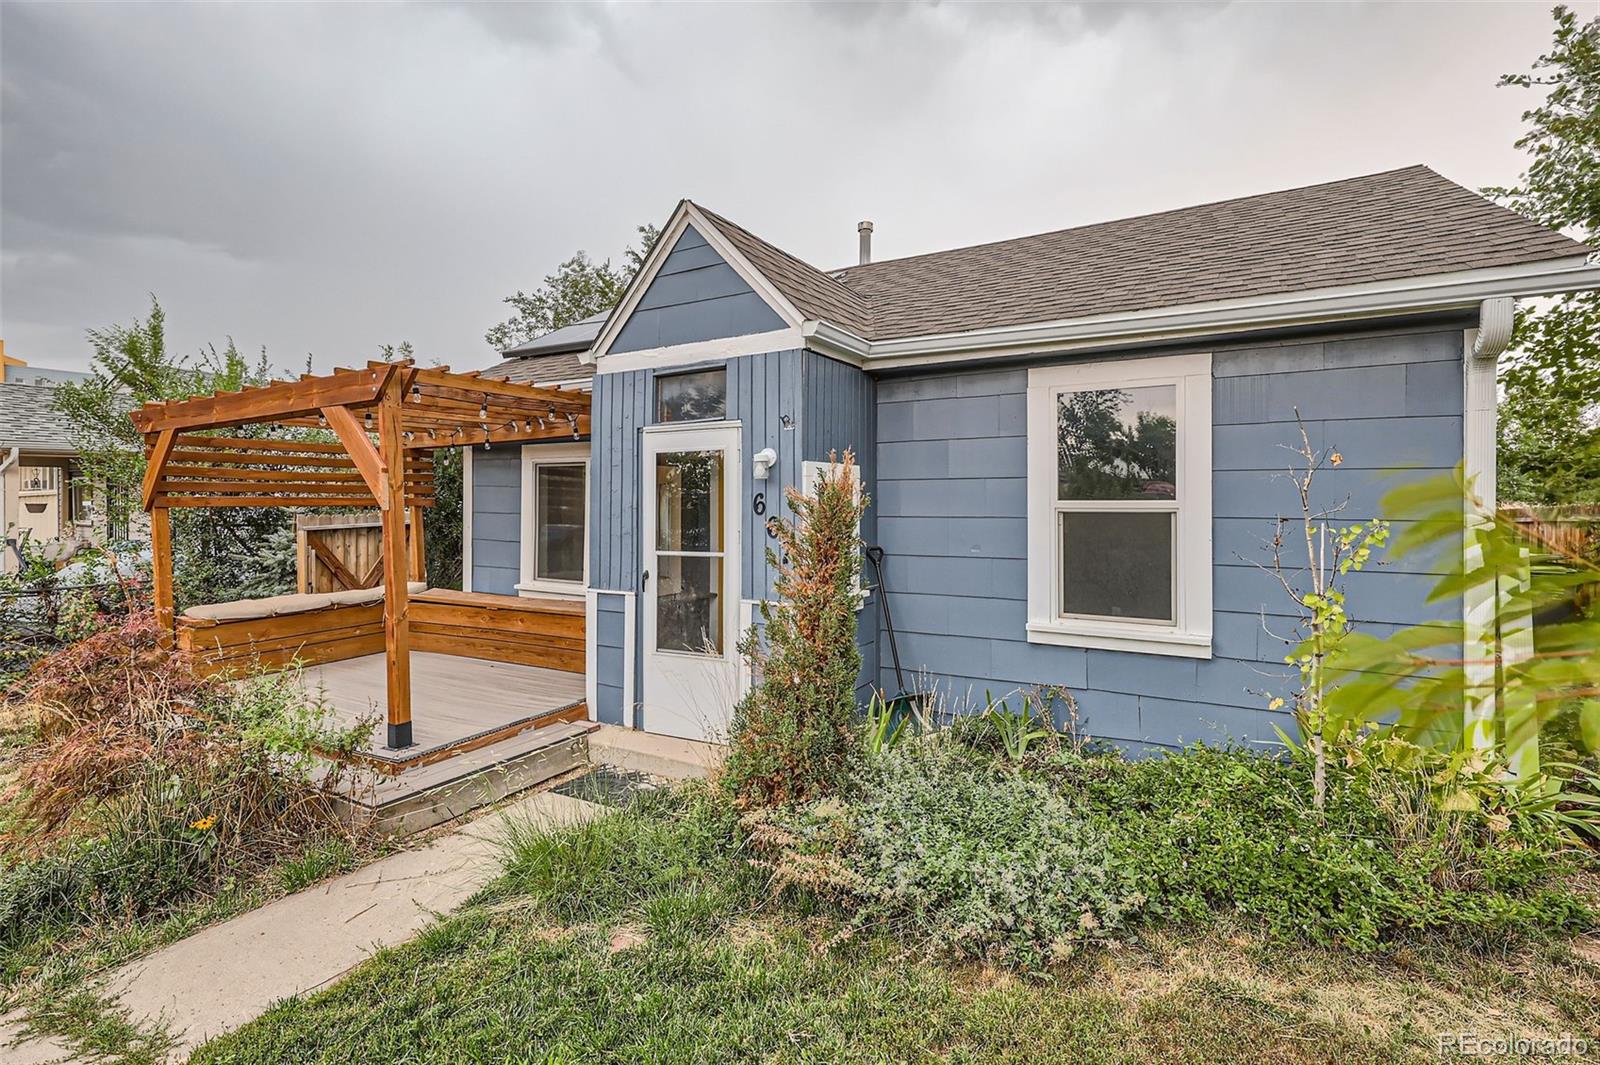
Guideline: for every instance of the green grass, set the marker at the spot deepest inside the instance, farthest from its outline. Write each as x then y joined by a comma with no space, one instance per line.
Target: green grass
642,937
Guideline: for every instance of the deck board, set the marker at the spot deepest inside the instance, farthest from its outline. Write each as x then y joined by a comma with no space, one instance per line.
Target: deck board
452,699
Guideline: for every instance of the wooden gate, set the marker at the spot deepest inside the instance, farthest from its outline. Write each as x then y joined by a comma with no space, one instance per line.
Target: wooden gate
338,552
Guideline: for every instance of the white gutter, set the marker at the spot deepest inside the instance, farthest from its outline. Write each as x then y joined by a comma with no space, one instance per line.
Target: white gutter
1461,290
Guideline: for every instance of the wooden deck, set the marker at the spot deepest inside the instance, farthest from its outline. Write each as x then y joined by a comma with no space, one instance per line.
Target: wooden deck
459,703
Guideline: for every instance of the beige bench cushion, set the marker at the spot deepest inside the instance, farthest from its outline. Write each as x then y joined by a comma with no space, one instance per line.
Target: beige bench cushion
278,605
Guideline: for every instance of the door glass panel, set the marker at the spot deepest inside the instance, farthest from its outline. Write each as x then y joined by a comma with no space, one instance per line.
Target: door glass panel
558,521
1117,564
689,604
689,501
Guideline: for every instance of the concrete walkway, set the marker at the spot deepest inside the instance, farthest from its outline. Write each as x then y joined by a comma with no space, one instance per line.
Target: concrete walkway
227,975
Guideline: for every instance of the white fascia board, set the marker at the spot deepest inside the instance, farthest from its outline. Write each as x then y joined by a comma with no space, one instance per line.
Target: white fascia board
687,214
1460,290
683,355
575,384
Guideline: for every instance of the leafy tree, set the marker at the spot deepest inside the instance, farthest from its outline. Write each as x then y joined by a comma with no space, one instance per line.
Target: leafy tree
580,288
218,554
1550,383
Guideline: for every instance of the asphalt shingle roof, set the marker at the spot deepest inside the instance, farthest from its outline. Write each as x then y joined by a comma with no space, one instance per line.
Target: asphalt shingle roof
1398,224
812,291
1391,226
542,369
29,420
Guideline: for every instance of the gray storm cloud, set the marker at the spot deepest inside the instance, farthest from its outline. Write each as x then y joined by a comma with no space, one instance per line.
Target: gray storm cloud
323,179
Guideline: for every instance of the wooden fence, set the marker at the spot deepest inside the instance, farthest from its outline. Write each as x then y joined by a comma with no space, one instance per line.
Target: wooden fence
338,552
1570,531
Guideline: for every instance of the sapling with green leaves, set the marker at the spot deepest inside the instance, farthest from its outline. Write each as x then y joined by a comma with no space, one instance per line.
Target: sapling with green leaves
1333,551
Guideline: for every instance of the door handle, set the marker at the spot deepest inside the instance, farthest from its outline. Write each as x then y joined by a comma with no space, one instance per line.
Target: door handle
644,580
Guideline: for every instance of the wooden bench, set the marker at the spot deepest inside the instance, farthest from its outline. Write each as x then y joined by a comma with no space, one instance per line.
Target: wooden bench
271,633
326,634
501,628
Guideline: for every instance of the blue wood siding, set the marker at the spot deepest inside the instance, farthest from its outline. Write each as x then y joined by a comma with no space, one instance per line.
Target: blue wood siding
763,390
764,394
951,513
619,408
610,664
695,296
839,405
496,520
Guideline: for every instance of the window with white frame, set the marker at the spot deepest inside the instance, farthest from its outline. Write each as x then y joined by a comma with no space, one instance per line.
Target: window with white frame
1119,505
555,519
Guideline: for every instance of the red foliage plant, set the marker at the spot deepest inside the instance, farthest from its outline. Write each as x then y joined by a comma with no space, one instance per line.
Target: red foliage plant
105,707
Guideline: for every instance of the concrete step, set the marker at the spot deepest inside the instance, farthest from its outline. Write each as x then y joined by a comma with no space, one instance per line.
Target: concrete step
661,756
429,795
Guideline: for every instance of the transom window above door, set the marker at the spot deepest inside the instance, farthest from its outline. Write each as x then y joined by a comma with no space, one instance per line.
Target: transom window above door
692,397
1119,505
555,519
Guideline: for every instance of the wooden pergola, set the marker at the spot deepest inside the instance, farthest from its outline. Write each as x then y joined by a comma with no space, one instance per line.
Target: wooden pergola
387,418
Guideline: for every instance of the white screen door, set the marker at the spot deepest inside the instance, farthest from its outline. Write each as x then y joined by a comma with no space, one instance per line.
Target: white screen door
691,582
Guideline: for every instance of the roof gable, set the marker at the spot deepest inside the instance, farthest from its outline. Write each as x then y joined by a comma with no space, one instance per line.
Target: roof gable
694,296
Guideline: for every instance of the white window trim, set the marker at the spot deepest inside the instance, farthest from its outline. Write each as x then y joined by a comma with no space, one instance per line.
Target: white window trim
1190,635
810,474
534,455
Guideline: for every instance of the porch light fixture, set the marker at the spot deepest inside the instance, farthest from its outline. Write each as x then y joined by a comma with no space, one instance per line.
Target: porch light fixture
763,462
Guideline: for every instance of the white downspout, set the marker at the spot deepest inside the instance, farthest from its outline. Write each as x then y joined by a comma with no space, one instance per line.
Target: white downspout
1480,348
10,460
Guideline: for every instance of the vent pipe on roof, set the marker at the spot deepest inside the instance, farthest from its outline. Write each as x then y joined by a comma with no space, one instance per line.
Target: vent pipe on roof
865,229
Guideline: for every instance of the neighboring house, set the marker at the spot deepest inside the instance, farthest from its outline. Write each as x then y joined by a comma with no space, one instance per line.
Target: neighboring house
43,494
986,392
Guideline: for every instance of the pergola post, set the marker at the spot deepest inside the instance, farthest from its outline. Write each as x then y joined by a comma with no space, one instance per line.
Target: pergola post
161,571
396,605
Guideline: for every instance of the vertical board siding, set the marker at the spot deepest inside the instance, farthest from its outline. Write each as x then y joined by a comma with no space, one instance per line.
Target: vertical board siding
496,520
764,395
610,664
619,411
951,510
839,414
799,404
695,296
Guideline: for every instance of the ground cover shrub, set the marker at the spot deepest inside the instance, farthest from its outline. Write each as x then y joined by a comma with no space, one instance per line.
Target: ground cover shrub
965,853
959,854
141,783
795,736
1213,831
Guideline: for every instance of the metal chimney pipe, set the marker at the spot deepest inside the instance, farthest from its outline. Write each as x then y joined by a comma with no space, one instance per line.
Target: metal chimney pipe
865,229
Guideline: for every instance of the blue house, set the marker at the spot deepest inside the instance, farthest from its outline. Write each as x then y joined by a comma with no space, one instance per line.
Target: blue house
978,389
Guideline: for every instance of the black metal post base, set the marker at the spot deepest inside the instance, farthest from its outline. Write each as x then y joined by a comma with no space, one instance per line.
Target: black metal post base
399,736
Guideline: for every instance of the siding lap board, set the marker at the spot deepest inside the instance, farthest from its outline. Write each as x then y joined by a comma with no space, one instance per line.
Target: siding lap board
950,510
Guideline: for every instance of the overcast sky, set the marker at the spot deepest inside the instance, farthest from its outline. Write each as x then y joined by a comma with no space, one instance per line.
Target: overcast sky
325,179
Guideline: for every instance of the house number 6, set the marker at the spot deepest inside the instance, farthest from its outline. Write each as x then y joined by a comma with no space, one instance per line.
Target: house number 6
759,504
